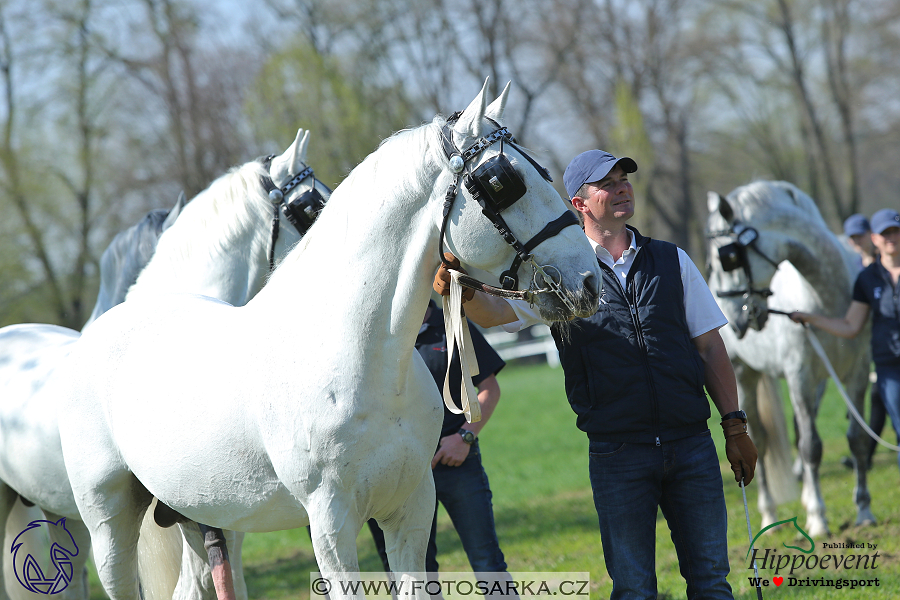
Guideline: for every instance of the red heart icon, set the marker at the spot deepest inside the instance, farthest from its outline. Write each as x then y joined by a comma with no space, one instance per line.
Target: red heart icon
778,580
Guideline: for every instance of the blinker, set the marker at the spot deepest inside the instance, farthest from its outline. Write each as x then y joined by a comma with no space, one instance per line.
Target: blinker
731,256
495,183
303,210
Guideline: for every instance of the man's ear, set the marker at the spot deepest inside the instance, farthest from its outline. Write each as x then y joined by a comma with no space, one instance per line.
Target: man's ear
578,203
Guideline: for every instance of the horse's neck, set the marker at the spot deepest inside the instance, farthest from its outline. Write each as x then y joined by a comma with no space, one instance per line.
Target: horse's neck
209,254
363,272
820,259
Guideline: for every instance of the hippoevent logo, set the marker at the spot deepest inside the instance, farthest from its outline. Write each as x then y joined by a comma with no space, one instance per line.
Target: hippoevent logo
44,577
838,570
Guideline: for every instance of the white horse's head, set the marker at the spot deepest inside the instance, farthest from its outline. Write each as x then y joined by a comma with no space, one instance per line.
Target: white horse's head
749,236
294,190
508,220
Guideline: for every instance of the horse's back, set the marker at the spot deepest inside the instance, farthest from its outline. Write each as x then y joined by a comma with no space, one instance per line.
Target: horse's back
154,382
30,452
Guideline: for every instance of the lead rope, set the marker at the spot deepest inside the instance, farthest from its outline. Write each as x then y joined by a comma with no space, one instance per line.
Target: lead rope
814,342
458,334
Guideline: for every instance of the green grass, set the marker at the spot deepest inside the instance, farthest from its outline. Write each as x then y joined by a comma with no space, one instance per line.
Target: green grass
537,464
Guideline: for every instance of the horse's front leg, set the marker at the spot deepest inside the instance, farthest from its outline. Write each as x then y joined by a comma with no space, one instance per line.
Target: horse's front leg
334,527
77,589
748,380
113,510
406,535
805,402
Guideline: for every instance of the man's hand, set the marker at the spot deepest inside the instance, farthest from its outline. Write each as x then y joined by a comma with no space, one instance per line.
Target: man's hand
442,279
739,449
451,452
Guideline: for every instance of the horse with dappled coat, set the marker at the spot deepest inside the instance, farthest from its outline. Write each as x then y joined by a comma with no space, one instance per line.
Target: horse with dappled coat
223,244
309,405
770,247
28,431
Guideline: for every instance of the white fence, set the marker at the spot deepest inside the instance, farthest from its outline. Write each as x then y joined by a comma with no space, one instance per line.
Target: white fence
511,346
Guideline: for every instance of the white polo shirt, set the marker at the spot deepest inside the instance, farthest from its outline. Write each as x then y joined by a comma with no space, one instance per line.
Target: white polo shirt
701,310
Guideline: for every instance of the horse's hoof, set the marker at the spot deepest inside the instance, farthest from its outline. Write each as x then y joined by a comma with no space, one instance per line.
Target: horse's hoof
866,520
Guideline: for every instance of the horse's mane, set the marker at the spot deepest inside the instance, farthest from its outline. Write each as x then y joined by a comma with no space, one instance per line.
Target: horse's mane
380,167
761,202
389,167
135,245
215,219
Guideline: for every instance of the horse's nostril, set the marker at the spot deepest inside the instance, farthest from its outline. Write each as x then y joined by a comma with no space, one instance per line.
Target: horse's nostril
591,285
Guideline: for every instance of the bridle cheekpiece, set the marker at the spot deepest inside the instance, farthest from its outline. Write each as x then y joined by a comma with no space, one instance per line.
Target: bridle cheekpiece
496,185
301,212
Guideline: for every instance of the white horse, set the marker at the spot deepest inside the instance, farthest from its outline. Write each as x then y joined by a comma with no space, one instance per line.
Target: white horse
768,241
309,405
127,255
224,245
27,353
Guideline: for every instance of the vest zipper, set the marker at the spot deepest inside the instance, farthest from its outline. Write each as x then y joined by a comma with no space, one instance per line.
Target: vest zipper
632,305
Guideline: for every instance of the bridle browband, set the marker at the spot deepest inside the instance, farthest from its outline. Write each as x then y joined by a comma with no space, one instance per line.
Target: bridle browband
495,185
300,212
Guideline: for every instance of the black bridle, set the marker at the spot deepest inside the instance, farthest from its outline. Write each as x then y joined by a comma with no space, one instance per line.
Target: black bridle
496,185
734,256
301,212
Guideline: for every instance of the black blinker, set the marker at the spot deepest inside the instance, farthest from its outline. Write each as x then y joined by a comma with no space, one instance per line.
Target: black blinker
731,256
303,210
496,183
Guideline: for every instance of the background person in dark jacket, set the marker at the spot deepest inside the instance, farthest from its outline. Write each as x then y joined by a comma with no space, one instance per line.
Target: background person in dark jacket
635,374
460,481
875,292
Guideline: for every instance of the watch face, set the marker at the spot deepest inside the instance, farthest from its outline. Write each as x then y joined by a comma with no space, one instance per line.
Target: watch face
747,236
467,436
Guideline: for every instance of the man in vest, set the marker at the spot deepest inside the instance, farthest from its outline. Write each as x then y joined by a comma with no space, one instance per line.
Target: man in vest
635,374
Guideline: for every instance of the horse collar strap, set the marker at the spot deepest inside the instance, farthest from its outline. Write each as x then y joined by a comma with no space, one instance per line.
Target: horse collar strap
496,185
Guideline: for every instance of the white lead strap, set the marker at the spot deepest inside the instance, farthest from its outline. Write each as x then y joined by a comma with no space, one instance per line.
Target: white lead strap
457,328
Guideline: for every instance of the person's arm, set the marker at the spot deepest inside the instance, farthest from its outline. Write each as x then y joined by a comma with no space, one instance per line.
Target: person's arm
718,372
722,388
489,311
453,450
847,326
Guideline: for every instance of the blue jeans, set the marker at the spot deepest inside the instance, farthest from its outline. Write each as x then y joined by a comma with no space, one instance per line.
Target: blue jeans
889,386
682,478
466,496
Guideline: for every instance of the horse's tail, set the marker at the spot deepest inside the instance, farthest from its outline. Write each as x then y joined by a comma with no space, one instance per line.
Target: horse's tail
782,482
159,558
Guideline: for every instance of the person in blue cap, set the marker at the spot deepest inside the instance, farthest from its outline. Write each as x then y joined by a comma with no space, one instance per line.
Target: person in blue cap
859,238
635,374
876,293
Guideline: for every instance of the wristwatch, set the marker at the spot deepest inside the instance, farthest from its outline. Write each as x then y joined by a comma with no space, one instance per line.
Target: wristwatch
738,414
467,436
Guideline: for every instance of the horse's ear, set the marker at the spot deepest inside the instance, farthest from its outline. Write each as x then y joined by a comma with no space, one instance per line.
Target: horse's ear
176,210
495,110
470,120
716,202
294,158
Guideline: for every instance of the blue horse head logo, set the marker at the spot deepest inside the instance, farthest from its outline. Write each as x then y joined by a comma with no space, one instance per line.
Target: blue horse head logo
27,568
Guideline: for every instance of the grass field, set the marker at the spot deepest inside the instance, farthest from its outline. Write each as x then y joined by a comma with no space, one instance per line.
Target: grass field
537,464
